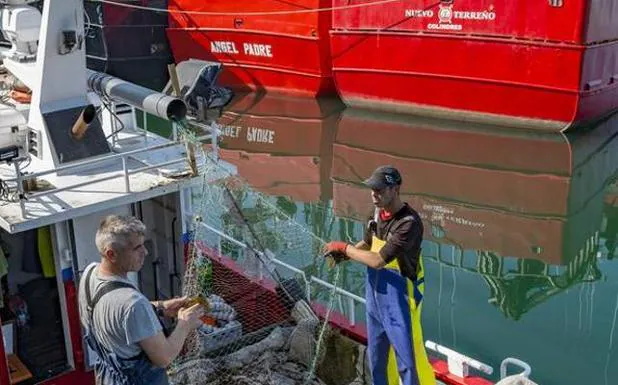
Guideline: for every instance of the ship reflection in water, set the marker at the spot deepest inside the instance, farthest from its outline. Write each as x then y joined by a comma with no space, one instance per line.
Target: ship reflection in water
520,228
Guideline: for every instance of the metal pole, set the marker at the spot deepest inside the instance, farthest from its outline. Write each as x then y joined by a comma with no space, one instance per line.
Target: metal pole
155,103
125,170
20,189
352,310
112,113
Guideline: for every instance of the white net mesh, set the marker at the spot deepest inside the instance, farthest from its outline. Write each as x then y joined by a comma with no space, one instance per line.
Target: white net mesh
251,260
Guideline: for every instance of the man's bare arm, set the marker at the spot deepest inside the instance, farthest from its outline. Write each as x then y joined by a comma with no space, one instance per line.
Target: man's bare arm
365,256
362,245
162,351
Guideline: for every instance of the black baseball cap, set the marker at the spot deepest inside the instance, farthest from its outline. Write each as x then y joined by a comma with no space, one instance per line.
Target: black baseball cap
383,177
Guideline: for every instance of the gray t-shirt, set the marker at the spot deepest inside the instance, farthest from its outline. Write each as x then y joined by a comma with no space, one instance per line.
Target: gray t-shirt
122,317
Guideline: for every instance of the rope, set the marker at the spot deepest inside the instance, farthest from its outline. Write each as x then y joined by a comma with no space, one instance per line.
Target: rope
270,13
320,339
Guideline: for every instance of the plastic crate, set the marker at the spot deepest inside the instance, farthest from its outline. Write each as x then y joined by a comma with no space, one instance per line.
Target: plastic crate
221,337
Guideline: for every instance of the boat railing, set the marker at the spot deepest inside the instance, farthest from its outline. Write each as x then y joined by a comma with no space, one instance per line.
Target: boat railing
458,364
21,178
351,299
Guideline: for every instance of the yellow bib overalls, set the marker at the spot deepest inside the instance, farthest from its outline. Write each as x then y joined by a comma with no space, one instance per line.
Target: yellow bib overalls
394,336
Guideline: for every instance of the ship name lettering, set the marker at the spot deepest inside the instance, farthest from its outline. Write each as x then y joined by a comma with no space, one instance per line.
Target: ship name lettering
223,47
260,135
255,49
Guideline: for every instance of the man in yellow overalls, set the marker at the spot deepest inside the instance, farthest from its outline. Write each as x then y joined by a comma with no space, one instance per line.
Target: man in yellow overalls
394,286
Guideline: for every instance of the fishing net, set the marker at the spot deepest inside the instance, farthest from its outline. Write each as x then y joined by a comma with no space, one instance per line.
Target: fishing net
253,262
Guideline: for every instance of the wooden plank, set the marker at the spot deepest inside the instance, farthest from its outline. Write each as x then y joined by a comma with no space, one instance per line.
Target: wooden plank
18,370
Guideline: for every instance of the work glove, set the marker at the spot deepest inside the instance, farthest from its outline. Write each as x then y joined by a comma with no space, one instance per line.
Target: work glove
336,246
334,253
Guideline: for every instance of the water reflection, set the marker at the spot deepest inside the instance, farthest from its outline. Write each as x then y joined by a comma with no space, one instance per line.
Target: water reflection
521,227
281,145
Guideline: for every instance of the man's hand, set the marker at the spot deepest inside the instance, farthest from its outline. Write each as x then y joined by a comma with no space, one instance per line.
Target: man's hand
171,306
191,317
336,247
335,252
333,258
338,251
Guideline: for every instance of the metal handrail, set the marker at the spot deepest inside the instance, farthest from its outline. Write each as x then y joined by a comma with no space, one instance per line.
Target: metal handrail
123,157
352,298
458,364
90,162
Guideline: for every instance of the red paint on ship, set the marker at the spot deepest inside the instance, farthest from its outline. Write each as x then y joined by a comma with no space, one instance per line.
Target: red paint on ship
254,299
530,65
577,21
442,373
4,370
287,53
542,65
75,328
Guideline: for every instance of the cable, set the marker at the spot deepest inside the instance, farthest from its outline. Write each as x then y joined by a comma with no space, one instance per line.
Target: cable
5,91
4,190
7,193
270,13
27,161
88,23
106,104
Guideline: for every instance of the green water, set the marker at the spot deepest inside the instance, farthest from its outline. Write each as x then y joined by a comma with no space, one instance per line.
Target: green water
520,227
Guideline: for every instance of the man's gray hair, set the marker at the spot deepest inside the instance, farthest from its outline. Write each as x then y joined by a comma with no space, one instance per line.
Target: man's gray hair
115,231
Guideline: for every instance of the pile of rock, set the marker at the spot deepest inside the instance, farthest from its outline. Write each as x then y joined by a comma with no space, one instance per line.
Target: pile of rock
285,357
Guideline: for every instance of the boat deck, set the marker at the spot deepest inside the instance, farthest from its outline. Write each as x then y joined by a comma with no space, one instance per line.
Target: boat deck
141,165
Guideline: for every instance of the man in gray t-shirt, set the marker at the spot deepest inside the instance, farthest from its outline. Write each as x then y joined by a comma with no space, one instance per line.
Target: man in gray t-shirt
121,319
121,325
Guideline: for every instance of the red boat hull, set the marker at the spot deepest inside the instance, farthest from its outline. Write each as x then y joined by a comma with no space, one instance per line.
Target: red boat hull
536,85
545,65
541,65
287,53
575,21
